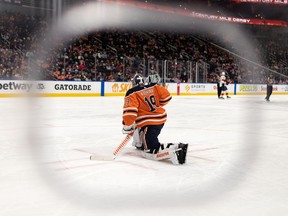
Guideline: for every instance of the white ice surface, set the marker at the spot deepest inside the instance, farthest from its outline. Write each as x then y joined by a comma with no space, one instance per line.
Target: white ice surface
237,163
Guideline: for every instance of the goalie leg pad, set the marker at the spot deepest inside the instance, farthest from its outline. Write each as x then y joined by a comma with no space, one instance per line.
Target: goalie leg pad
162,156
175,152
137,141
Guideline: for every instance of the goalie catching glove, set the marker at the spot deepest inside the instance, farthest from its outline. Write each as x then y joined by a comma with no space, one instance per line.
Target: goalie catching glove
128,129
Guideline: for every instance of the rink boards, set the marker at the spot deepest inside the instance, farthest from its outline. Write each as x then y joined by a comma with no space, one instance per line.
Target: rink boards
12,88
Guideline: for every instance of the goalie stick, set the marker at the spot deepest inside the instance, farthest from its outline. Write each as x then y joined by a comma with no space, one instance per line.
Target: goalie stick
115,153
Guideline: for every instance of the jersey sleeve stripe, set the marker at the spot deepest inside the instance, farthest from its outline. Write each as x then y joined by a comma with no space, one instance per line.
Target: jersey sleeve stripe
130,109
151,121
152,116
160,117
166,100
130,114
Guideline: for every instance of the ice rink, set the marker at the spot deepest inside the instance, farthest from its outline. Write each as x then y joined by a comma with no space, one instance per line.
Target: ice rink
237,161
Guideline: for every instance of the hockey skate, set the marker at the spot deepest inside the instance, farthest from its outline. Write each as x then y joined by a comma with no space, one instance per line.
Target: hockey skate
220,97
181,154
228,97
141,148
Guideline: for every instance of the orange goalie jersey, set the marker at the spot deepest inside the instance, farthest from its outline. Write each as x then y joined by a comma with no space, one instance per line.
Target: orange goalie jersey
144,105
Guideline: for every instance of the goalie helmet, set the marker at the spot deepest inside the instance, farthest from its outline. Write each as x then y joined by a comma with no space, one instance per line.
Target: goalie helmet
137,80
223,73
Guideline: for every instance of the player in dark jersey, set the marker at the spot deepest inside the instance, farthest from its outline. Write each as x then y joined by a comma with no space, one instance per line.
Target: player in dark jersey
219,88
269,88
143,112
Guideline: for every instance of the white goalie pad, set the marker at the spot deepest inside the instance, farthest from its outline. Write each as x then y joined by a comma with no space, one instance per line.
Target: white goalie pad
175,152
137,141
167,151
162,155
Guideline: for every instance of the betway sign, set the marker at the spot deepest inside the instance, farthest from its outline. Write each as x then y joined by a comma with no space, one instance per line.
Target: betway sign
22,86
15,86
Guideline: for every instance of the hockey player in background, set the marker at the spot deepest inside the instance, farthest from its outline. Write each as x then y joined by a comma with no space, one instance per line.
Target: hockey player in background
223,85
269,88
143,114
219,88
153,78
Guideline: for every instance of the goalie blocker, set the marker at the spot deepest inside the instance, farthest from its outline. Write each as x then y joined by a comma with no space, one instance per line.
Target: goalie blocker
175,152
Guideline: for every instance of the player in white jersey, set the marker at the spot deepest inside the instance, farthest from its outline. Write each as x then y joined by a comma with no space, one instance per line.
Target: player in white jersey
223,85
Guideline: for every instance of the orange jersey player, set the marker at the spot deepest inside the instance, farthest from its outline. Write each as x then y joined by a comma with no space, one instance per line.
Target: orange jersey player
144,105
144,114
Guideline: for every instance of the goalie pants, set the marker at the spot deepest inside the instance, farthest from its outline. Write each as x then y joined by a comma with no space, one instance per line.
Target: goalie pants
151,133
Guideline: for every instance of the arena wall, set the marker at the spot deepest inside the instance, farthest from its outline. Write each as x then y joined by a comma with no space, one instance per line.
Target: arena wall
12,88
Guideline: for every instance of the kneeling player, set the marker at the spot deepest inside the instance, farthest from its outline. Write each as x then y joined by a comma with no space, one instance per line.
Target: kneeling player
143,112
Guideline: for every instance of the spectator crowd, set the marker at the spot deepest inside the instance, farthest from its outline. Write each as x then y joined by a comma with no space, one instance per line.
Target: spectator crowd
116,55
